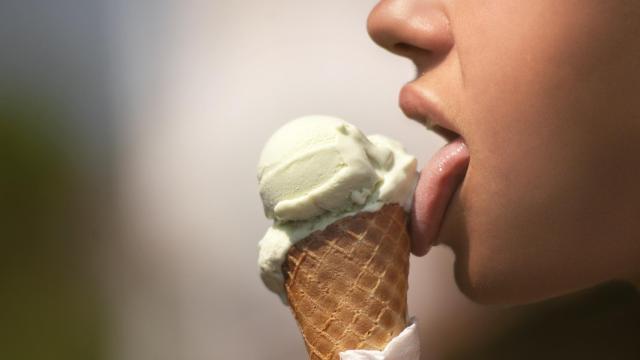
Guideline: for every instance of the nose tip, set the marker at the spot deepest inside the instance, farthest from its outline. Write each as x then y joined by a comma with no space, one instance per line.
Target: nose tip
410,28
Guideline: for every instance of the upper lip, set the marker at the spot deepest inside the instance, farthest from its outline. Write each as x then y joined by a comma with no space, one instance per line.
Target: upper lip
423,106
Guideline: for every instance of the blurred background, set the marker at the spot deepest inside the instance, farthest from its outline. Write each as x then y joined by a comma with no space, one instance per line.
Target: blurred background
130,131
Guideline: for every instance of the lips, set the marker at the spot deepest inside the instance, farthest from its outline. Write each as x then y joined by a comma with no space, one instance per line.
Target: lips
444,173
424,106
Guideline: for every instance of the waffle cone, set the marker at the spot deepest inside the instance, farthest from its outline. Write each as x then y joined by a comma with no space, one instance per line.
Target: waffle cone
347,284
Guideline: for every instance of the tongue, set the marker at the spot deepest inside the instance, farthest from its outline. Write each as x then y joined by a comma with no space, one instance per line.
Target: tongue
437,184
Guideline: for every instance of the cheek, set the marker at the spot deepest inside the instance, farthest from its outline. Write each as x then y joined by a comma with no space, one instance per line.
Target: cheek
536,93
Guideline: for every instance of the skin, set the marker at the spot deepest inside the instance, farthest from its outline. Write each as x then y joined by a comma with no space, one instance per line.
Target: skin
546,95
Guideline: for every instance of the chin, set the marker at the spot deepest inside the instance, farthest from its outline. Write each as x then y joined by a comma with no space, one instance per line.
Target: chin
494,288
481,290
484,269
490,282
478,286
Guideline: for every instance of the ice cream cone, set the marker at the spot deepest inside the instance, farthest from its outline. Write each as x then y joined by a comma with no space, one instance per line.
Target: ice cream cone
347,284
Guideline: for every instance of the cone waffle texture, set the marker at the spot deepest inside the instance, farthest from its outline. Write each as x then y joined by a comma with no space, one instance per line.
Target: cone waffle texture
347,284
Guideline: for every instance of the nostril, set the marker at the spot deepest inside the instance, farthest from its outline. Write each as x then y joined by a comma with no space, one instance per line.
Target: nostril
404,49
411,28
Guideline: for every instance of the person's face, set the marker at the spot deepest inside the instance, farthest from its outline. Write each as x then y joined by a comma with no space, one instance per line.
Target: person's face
546,95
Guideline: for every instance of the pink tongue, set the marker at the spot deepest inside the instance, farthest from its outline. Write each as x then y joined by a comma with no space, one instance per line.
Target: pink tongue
437,184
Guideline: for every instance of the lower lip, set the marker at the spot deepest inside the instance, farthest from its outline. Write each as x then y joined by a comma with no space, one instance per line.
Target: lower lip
438,182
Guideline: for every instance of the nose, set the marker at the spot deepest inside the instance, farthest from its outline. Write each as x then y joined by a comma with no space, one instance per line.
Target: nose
416,29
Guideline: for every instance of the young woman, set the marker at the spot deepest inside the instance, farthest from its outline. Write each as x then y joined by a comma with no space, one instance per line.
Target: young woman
539,193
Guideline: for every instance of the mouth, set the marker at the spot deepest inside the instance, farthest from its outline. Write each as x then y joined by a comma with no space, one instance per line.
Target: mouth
424,106
442,176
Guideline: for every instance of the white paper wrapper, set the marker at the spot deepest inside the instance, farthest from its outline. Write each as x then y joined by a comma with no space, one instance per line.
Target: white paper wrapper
405,346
